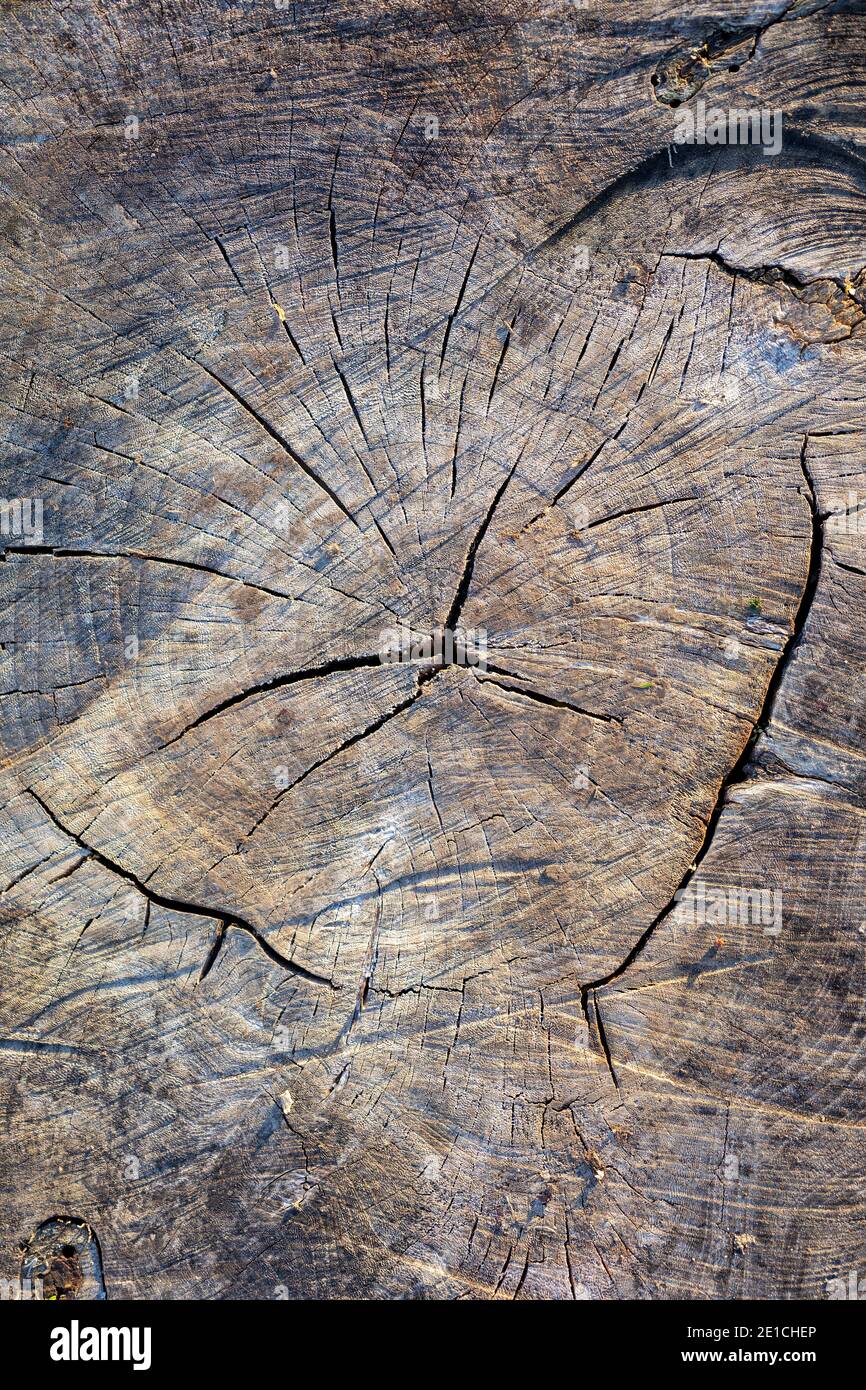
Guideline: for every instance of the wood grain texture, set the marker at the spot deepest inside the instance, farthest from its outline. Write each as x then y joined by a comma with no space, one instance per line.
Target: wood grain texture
325,976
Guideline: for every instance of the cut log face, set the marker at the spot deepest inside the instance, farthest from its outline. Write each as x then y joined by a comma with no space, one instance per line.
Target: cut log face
432,651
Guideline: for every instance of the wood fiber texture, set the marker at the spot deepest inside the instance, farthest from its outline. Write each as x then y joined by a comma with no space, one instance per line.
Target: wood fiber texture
329,977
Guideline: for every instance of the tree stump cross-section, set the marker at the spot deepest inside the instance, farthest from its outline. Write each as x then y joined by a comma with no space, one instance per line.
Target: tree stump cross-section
432,652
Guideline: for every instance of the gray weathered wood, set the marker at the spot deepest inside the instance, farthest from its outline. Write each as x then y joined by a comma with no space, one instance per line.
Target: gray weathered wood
329,977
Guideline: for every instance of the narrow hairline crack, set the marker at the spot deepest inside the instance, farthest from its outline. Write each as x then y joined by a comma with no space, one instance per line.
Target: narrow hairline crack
287,449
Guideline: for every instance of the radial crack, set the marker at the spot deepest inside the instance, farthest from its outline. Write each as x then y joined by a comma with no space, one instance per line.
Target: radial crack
538,696
462,591
64,553
224,919
329,668
738,771
283,443
423,677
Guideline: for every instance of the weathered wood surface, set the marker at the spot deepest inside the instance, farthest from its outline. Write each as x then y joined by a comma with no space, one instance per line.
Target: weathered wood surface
328,977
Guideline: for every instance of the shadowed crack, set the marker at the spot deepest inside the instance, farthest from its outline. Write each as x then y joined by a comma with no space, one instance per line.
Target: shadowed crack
457,303
538,696
655,169
224,919
842,297
462,590
854,286
64,553
602,1036
328,668
424,675
738,772
636,511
